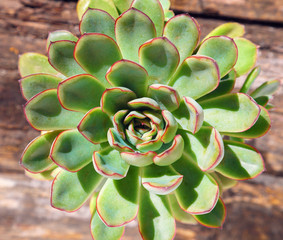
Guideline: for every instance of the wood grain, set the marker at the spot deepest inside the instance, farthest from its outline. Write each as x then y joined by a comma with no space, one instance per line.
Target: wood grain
254,207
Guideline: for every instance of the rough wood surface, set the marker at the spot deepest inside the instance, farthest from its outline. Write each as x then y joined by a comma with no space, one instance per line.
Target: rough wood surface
261,10
254,208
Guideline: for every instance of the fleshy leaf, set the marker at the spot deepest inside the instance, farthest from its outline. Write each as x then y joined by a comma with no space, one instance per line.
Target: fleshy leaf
155,218
100,231
215,218
117,120
250,79
138,159
171,154
226,85
47,175
160,58
189,115
132,29
44,112
60,35
122,5
36,83
204,147
118,95
247,55
152,145
167,97
153,9
144,103
97,21
106,5
240,161
226,183
198,193
128,74
70,190
96,52
72,151
116,141
183,31
109,163
178,213
80,93
230,29
94,125
171,126
61,57
117,202
226,113
35,157
32,63
260,128
262,100
196,76
266,89
223,50
160,180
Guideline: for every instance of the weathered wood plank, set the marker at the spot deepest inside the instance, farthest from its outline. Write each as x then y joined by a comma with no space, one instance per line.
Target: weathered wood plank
263,10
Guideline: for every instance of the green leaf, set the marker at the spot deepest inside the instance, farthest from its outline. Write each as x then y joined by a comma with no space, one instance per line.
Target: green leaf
154,10
36,83
117,202
215,218
117,120
100,231
32,63
226,113
96,52
46,175
128,74
117,141
122,5
167,97
196,76
132,29
109,163
160,58
151,145
106,5
171,154
94,125
226,183
71,151
204,147
247,55
118,95
155,218
80,93
165,4
92,203
240,161
45,113
144,103
61,57
138,159
35,157
198,193
70,191
263,100
171,126
223,50
250,79
183,31
160,180
60,35
226,85
266,89
189,115
178,213
97,21
260,128
230,29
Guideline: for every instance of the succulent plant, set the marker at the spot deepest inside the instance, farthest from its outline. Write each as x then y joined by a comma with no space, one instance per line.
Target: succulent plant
139,116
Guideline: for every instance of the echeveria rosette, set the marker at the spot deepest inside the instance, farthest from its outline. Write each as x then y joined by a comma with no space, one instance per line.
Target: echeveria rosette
134,112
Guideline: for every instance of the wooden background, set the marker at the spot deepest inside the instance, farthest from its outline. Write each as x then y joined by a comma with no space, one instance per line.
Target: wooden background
255,207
